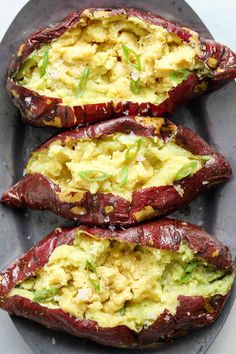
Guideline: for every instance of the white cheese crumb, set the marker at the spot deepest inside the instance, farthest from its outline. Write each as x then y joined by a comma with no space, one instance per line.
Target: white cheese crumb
83,294
140,158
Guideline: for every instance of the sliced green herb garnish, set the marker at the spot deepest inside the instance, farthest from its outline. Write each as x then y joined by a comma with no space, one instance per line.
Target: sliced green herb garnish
179,75
132,151
122,311
124,176
44,65
205,157
188,169
83,82
135,86
204,72
95,283
44,295
188,271
88,175
127,52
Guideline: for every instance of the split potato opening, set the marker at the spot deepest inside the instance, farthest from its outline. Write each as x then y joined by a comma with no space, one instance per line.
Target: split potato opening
119,164
120,283
107,57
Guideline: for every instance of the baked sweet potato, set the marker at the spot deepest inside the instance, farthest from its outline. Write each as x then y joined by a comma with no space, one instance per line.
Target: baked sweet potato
119,172
135,288
101,64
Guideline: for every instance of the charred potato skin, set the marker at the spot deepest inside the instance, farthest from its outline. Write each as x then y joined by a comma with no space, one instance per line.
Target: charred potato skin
38,192
192,312
49,111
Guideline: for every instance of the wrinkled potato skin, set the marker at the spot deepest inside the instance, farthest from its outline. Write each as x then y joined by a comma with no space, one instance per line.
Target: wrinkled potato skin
45,111
38,192
192,312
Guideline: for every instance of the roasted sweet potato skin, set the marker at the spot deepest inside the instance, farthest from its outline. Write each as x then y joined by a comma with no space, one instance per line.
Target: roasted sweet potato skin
40,110
38,192
192,312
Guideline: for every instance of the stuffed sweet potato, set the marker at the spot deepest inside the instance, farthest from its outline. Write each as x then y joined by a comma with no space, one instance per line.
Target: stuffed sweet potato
119,172
98,64
135,288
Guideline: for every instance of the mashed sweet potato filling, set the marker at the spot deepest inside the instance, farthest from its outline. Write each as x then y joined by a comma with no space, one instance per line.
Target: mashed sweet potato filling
120,283
118,164
107,58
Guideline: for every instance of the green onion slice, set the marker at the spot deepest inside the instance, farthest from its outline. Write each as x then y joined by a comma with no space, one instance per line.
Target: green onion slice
124,176
179,76
135,86
122,311
44,295
87,175
188,169
188,271
205,157
91,267
127,51
204,72
133,150
83,81
44,65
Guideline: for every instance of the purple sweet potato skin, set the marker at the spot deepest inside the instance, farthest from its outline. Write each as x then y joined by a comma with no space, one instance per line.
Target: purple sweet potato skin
38,192
40,110
192,312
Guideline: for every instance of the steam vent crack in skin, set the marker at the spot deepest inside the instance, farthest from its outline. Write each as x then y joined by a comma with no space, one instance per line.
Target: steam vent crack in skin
135,288
98,64
119,172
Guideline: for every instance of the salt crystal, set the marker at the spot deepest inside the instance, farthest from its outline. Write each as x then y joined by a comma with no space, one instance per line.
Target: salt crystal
107,219
111,227
53,341
28,101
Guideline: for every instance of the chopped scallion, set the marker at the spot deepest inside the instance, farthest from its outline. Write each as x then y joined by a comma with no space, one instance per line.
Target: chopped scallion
127,52
179,76
83,82
188,271
44,295
124,176
135,86
133,150
87,175
44,65
91,267
188,169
